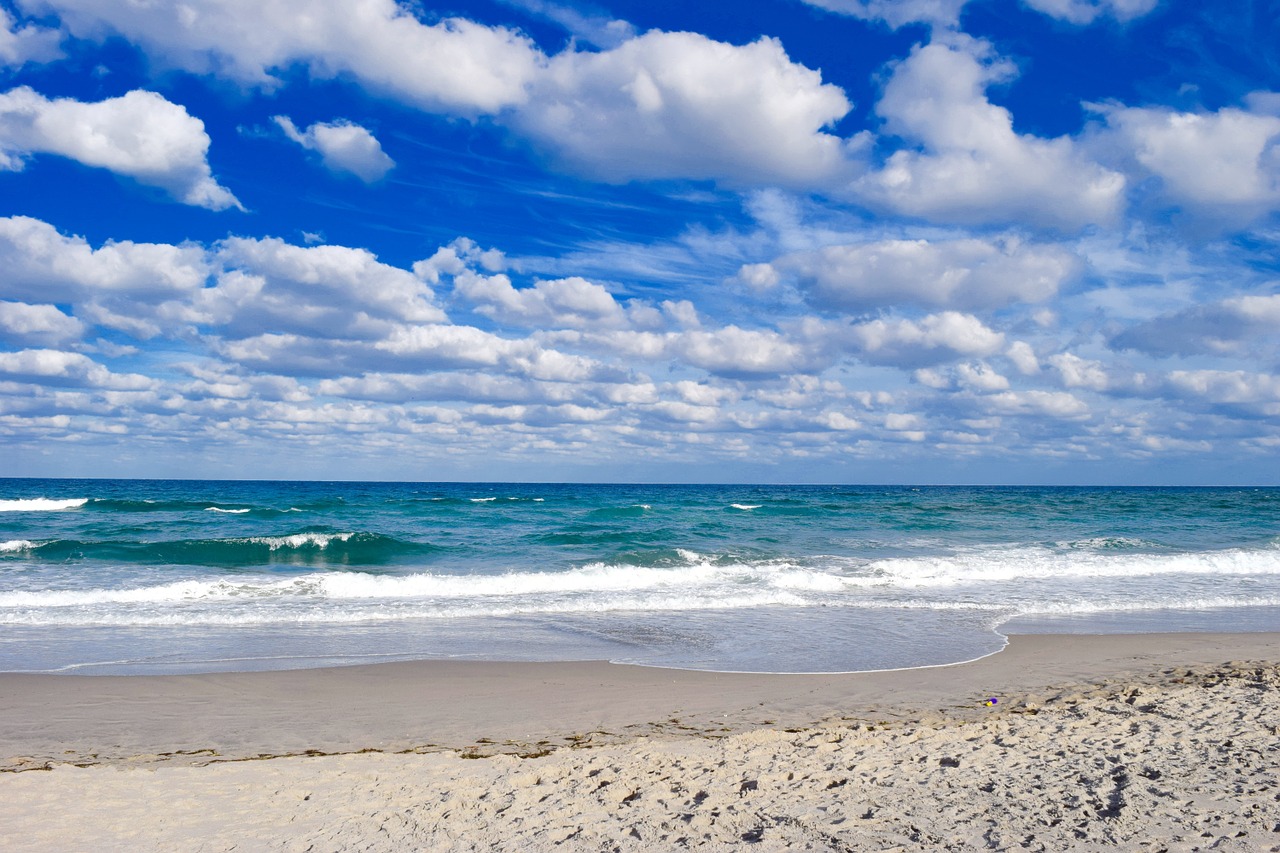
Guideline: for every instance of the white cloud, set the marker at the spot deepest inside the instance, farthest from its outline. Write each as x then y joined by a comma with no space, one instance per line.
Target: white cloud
453,65
980,376
934,339
44,265
1087,11
972,166
897,13
1055,404
1224,163
343,147
568,303
759,277
240,287
326,291
968,273
1228,387
1023,358
462,253
37,324
445,347
660,105
20,44
1077,372
974,376
731,351
140,135
668,105
66,368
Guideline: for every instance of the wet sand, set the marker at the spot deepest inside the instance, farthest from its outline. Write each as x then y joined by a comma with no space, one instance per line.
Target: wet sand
1141,742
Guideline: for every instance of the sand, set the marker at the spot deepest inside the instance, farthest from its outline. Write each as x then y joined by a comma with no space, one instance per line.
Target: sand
1142,742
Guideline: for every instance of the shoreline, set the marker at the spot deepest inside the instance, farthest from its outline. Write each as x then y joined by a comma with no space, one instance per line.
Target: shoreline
1125,742
516,707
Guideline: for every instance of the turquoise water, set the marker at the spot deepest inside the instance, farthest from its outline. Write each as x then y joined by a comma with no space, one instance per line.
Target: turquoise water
112,576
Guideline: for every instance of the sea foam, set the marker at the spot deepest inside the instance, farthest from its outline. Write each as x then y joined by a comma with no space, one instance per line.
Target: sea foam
41,504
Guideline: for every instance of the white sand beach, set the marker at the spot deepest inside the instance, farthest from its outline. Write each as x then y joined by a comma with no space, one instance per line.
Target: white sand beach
1135,742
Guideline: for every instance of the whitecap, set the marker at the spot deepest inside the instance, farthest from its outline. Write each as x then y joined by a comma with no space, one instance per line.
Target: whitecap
41,504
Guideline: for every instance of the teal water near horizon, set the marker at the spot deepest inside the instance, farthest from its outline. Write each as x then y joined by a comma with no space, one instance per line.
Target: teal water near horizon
163,576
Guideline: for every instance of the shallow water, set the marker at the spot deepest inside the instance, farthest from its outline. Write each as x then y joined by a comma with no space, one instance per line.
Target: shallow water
111,576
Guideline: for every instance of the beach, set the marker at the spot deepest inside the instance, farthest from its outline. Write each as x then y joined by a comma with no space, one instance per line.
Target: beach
1140,742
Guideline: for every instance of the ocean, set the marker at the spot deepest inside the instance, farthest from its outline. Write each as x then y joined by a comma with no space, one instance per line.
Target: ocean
171,576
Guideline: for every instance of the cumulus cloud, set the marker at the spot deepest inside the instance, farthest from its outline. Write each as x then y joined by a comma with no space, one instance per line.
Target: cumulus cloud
1077,372
342,146
454,65
732,351
1087,11
23,43
971,166
240,286
1218,327
444,347
48,366
934,339
660,105
975,376
1228,387
1023,357
1054,404
1221,164
457,257
667,105
568,303
967,274
140,135
133,287
326,291
37,324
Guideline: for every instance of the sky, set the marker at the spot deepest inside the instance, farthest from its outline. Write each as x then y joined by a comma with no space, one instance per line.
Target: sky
810,241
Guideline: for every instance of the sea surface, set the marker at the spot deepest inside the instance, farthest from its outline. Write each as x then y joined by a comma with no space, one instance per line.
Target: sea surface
166,576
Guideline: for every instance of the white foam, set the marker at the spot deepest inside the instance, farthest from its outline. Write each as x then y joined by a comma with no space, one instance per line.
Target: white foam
1014,564
594,582
745,507
220,509
15,545
1000,582
482,500
41,504
299,540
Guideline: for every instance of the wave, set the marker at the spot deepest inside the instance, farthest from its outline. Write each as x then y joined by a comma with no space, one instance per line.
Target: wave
41,504
619,512
987,566
304,548
694,575
151,505
15,546
746,507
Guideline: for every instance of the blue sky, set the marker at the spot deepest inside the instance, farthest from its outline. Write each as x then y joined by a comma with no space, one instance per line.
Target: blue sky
1001,241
